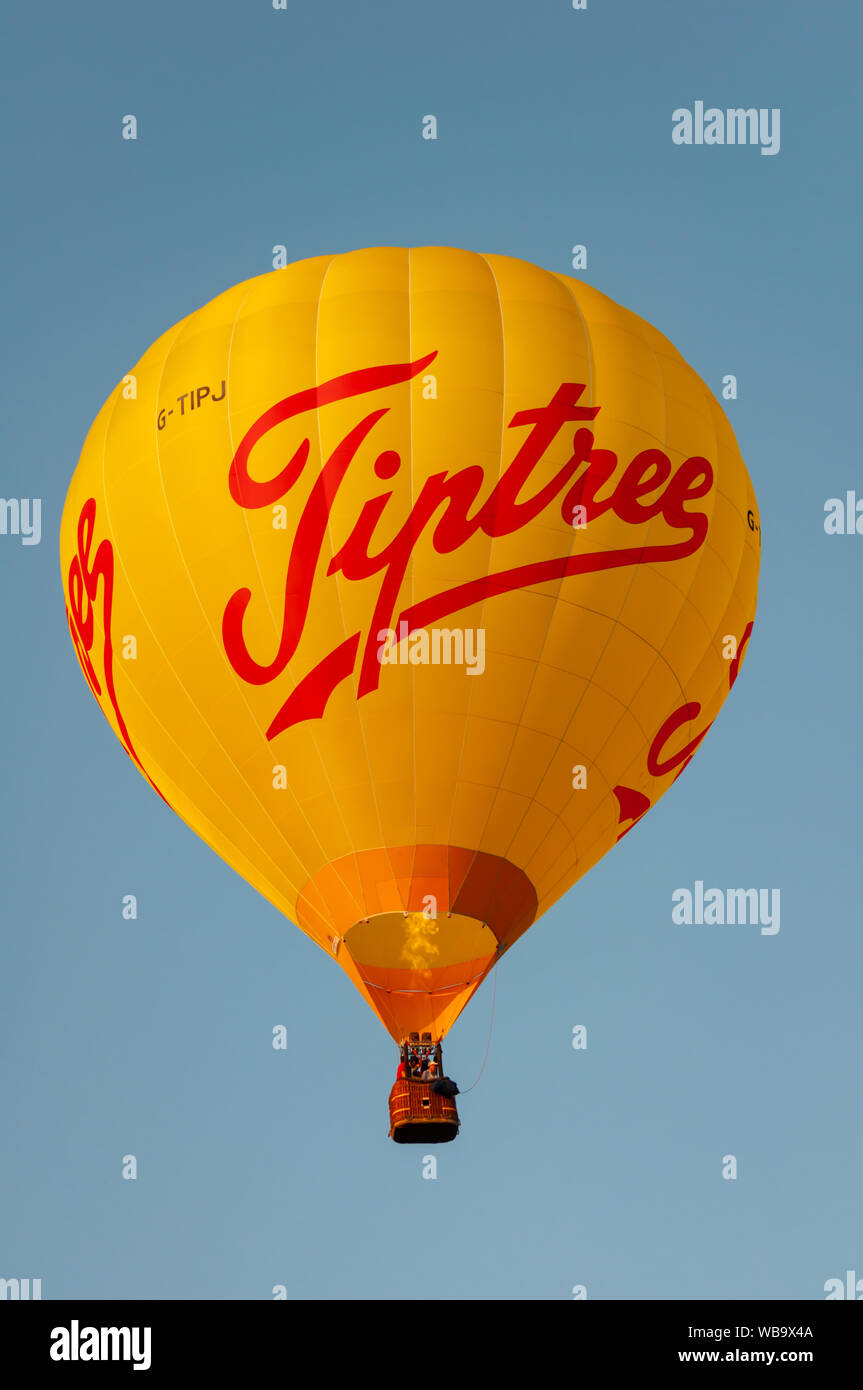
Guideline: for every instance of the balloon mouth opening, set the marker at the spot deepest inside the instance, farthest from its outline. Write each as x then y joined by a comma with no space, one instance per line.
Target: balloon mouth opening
417,927
422,941
446,893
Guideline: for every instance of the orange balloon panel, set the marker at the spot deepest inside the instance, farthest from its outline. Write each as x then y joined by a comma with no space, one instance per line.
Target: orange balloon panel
410,580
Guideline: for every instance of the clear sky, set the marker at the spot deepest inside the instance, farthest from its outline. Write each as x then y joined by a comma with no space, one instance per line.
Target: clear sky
600,1167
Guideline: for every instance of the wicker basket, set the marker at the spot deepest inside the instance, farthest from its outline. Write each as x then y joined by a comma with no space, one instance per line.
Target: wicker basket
418,1115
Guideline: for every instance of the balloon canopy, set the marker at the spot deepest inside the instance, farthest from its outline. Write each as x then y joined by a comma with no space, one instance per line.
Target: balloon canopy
411,579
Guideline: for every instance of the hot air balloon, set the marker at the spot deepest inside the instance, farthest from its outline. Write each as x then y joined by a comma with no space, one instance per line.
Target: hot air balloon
439,567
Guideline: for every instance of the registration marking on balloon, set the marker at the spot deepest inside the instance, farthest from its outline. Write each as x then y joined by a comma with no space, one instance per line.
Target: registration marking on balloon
499,512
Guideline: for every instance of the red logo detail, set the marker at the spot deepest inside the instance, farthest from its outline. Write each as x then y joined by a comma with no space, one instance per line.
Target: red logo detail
634,804
85,572
448,497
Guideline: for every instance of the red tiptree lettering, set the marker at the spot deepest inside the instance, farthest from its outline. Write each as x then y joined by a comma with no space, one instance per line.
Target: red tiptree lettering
450,507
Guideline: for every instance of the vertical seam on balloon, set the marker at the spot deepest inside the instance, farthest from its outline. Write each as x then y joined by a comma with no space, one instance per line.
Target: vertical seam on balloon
613,622
566,282
712,407
344,629
704,546
121,566
707,703
237,684
265,591
684,599
552,601
276,824
348,830
658,654
538,663
616,622
413,671
266,855
457,784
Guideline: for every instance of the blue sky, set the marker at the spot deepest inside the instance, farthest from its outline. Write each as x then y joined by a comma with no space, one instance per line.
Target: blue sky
599,1167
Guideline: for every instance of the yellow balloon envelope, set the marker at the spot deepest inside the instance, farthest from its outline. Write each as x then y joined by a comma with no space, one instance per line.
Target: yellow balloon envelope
411,579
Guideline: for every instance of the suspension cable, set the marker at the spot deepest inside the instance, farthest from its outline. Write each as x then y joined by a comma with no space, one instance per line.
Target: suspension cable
490,1026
